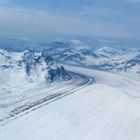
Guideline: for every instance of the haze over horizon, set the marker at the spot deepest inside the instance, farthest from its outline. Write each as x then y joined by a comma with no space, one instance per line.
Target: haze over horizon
61,18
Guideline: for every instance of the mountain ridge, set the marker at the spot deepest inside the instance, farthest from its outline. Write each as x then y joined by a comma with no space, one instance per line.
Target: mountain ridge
103,58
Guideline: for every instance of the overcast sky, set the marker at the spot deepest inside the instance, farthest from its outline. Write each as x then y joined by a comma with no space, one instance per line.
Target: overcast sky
44,18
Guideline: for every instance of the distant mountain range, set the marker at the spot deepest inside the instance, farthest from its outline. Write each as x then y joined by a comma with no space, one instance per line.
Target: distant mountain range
74,52
104,58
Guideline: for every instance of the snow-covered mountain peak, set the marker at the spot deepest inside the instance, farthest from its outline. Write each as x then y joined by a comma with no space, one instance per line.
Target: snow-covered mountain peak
105,58
76,42
75,52
78,45
30,65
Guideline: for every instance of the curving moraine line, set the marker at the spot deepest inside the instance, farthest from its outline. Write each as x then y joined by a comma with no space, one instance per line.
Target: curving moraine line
81,82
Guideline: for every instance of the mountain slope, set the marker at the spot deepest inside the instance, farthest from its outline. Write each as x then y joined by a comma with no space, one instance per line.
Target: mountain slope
104,58
31,66
101,55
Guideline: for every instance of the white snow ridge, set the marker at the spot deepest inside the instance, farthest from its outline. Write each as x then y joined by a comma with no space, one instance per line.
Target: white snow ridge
70,93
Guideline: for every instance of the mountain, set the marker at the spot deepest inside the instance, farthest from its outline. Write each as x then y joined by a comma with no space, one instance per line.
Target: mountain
104,58
30,65
75,52
95,95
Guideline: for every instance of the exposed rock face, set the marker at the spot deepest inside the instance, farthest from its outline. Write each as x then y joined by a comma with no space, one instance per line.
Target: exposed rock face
32,66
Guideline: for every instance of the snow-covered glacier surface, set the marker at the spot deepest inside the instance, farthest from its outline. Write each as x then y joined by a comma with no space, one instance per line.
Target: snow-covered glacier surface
30,79
87,94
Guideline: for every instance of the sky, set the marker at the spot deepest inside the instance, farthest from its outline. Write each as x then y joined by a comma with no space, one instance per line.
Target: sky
59,18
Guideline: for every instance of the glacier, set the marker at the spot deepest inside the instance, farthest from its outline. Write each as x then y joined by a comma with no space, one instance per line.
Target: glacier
68,90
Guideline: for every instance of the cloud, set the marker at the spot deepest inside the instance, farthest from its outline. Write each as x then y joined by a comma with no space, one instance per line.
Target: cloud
133,1
4,2
18,22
